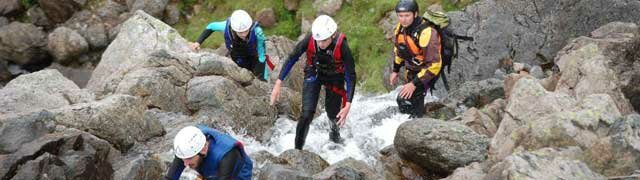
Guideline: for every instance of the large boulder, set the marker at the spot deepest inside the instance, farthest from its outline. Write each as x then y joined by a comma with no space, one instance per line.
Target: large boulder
439,146
611,57
154,8
223,103
66,44
46,89
126,53
71,154
528,101
594,124
23,44
117,119
304,161
19,129
545,163
161,81
58,11
526,31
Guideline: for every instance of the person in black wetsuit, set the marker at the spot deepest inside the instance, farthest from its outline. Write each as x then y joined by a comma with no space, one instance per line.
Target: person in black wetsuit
329,64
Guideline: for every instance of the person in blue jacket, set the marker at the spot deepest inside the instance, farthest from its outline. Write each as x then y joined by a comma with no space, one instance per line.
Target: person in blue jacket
244,39
212,154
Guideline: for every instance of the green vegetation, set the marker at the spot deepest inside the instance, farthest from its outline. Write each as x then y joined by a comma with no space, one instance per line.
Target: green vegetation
358,19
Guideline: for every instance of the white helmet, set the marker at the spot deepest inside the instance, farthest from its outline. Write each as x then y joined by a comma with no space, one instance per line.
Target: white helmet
240,21
188,142
323,27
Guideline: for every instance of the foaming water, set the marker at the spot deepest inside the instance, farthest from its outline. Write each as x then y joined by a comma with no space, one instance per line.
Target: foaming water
364,135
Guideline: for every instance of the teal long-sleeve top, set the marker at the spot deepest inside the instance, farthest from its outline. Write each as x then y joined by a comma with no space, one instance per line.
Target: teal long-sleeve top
221,26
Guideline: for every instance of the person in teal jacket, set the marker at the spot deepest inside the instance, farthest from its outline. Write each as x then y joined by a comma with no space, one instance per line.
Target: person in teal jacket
244,39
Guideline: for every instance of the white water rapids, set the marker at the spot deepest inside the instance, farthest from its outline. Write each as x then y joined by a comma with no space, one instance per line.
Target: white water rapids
364,135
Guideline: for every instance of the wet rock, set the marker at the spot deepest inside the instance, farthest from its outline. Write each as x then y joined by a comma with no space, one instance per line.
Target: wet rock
438,110
439,146
304,161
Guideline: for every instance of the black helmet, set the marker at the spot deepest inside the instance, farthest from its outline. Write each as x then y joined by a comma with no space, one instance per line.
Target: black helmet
407,6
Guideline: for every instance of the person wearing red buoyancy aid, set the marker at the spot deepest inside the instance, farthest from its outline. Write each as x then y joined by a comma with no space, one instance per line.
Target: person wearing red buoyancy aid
329,64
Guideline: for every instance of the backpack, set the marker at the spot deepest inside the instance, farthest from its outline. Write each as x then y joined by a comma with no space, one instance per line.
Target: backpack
449,42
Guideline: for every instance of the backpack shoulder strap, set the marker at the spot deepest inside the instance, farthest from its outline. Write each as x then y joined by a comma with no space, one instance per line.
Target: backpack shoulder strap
311,50
337,51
